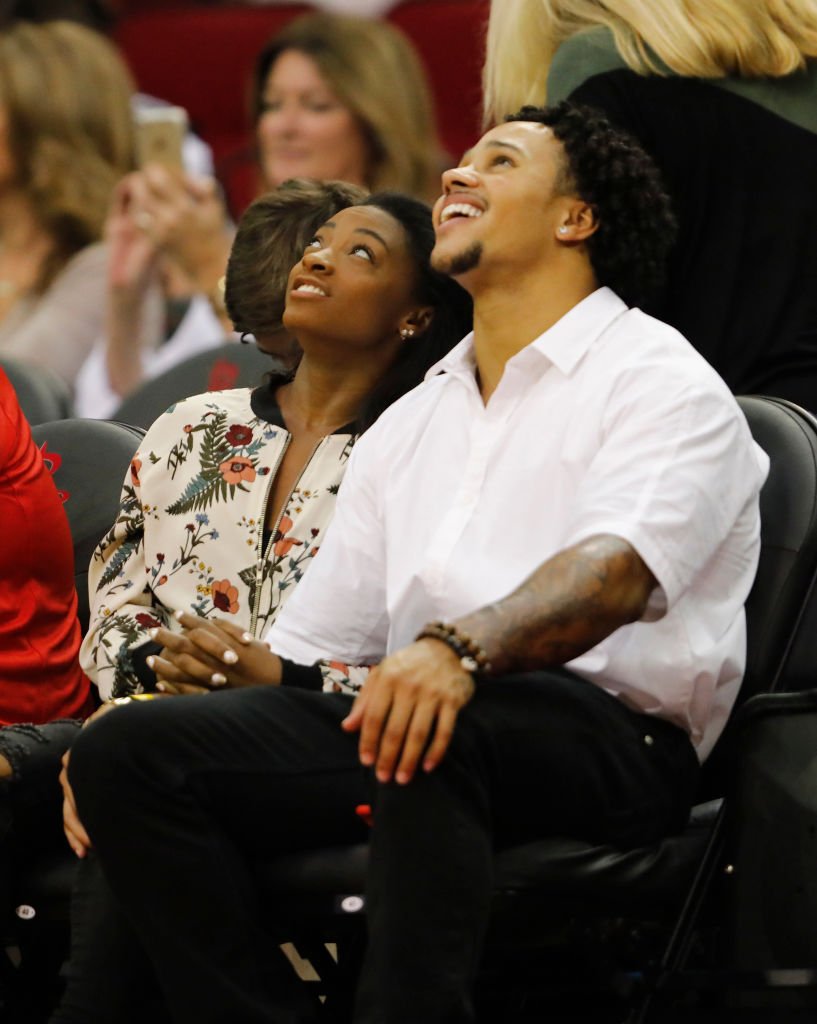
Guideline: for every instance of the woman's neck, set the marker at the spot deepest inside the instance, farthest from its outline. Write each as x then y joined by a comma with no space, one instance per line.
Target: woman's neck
321,398
20,228
25,246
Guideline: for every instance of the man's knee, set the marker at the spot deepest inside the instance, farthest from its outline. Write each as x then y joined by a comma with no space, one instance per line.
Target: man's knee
109,750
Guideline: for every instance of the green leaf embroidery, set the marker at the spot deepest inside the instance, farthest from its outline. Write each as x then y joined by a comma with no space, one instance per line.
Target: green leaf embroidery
114,566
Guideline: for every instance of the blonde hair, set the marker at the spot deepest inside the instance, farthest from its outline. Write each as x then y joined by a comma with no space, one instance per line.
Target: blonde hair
376,73
692,38
65,93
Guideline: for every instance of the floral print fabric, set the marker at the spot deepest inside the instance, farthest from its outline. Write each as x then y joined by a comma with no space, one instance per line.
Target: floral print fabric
189,533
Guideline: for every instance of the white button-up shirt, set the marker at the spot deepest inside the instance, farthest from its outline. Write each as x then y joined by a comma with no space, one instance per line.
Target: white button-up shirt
608,423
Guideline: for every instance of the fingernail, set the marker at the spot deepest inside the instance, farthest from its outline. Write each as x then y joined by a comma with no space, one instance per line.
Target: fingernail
367,759
161,688
177,615
402,778
247,638
382,775
150,661
230,657
217,679
153,633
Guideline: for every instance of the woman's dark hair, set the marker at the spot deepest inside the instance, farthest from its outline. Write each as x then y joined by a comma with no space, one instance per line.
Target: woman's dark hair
452,317
608,169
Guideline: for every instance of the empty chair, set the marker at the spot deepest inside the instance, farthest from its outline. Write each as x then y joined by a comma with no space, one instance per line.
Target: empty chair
218,369
88,460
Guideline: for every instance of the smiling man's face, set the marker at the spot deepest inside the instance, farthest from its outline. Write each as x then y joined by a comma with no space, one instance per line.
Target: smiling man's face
503,201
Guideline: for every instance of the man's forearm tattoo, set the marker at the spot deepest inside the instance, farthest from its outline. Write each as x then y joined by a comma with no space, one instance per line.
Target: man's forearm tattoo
568,605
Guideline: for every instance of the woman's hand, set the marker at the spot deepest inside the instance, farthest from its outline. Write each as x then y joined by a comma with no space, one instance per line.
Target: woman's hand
74,829
186,218
210,655
132,252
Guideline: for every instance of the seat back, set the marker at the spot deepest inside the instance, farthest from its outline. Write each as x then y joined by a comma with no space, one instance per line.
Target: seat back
43,396
782,594
783,597
217,369
88,460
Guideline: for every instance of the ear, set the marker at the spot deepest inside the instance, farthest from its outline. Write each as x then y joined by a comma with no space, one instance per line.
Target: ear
415,323
577,223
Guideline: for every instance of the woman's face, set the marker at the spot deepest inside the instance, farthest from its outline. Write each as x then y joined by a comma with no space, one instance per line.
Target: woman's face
304,131
355,282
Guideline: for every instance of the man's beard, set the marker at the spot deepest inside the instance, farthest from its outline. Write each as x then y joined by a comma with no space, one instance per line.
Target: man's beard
467,260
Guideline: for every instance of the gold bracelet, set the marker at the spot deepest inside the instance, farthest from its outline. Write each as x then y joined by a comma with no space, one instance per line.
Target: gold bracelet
121,701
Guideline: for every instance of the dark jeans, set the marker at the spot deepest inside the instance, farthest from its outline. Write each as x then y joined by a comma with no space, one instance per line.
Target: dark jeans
31,801
178,795
30,827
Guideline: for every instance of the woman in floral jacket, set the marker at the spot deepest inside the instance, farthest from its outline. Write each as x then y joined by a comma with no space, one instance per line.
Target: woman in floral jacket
230,493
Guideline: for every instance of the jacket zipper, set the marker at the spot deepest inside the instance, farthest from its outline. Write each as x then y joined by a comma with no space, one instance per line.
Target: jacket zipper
263,556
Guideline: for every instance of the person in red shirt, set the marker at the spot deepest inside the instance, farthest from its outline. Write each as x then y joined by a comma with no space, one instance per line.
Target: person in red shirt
40,677
43,692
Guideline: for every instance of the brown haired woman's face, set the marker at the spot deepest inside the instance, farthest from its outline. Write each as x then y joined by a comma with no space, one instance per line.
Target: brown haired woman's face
354,284
304,131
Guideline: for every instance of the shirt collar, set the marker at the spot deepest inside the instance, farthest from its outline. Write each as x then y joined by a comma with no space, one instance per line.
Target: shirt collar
563,345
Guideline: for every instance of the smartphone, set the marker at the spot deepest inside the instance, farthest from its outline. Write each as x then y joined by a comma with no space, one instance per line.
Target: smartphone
160,133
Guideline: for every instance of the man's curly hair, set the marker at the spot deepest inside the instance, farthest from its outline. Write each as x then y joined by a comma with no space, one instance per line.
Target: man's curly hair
608,169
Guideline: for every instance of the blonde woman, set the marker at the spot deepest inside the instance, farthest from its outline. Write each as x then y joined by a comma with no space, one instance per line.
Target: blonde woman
723,95
66,138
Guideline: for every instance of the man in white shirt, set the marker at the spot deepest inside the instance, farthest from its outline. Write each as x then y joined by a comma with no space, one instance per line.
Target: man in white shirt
545,550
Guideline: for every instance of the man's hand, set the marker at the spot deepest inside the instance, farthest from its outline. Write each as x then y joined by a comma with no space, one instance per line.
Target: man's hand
211,654
411,696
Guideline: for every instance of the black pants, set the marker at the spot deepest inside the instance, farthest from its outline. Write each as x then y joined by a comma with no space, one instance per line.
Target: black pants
179,795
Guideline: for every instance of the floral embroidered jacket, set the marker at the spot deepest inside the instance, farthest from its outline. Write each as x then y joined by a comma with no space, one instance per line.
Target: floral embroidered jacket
190,530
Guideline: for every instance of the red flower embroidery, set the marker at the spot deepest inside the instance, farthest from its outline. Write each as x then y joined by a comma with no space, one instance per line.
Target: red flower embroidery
239,435
161,580
283,544
225,596
135,466
237,469
147,621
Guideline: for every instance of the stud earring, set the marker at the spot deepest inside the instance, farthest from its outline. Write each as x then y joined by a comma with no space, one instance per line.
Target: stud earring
407,332
563,229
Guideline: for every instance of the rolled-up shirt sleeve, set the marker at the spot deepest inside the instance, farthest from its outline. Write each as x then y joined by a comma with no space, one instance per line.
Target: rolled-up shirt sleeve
673,475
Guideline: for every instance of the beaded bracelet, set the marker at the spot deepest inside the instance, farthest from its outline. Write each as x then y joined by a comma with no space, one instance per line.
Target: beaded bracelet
472,657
